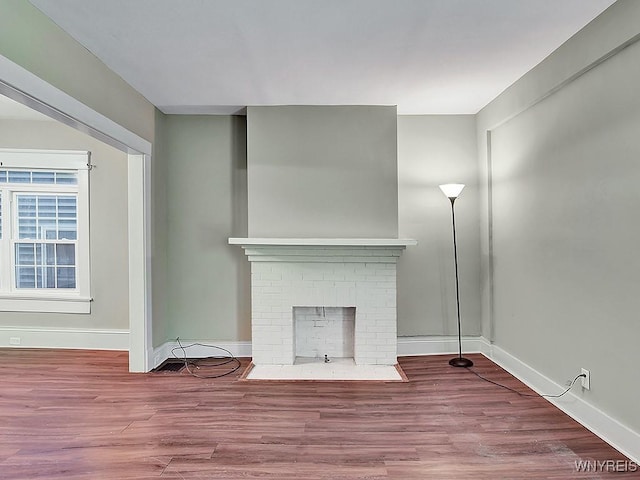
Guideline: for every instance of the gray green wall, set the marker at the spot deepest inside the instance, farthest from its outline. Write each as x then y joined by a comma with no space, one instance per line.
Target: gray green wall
432,150
561,281
208,293
159,237
322,171
108,228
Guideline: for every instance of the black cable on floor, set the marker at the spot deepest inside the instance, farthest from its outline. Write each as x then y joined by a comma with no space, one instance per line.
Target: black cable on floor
526,394
218,361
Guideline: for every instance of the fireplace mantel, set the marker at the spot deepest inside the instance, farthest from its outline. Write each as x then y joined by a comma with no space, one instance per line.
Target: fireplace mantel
328,250
323,242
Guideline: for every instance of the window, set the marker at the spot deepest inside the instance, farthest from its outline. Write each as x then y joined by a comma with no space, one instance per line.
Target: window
44,231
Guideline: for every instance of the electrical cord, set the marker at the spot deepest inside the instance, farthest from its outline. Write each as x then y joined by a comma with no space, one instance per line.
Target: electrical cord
527,394
206,362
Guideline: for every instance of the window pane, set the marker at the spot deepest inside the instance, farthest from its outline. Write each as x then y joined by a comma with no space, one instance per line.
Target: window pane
67,207
66,178
49,277
1,215
65,254
19,176
26,205
49,254
67,230
27,228
48,217
25,277
45,265
25,254
39,277
66,277
46,206
43,177
47,228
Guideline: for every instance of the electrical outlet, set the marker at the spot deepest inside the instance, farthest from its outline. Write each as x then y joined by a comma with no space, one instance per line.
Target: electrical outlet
14,340
586,380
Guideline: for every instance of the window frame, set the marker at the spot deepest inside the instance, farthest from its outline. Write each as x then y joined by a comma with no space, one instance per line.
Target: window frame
57,300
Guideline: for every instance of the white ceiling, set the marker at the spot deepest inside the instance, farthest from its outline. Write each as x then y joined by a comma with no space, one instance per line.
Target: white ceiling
217,56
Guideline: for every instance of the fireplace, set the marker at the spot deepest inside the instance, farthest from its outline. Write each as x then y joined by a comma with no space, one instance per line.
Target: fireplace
359,274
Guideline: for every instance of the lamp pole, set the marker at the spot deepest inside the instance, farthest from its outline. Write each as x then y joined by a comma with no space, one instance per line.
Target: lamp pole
452,191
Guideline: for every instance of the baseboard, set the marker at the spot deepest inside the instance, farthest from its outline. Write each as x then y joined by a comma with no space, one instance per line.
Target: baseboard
202,349
620,437
437,345
407,346
42,337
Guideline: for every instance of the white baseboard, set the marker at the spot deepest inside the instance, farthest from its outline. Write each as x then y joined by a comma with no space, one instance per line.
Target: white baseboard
407,346
42,337
436,345
604,426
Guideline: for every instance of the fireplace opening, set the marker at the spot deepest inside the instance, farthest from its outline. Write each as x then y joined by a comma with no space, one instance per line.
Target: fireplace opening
324,334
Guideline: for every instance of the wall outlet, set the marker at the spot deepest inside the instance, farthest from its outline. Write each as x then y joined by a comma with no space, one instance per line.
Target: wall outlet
586,380
14,340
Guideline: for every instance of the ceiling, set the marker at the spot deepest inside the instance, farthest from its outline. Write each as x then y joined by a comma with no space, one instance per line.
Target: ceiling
218,56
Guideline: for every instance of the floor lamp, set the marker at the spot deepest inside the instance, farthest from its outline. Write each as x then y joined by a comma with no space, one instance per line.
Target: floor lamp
452,191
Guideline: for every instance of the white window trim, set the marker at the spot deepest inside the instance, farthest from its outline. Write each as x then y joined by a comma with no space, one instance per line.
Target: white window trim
78,300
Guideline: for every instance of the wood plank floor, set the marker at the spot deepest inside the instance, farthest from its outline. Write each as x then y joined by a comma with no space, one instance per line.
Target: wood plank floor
68,414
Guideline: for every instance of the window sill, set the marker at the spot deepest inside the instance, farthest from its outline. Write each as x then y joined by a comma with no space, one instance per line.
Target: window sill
45,304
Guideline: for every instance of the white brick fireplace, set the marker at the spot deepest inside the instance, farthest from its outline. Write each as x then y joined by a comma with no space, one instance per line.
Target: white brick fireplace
350,275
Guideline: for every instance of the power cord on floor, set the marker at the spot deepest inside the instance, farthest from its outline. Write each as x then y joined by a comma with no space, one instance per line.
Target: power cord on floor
527,394
192,365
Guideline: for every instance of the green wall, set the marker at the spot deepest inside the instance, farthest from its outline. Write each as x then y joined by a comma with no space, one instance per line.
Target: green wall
432,150
159,240
208,293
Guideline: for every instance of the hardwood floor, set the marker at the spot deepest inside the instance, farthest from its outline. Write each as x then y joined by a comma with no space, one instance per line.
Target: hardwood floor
68,414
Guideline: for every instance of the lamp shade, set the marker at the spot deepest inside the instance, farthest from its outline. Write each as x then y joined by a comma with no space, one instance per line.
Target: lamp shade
452,190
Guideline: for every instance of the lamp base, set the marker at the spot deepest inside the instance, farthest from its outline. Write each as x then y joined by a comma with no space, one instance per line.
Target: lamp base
460,362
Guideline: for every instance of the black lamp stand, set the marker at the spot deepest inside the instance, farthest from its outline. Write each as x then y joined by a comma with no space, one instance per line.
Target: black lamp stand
458,361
